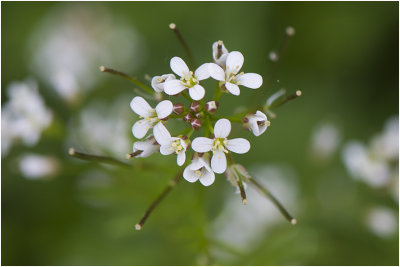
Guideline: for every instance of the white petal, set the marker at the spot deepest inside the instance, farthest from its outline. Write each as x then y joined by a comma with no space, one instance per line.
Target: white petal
215,50
190,175
232,88
140,128
179,66
173,87
238,145
157,86
254,127
197,92
147,147
216,72
202,144
207,179
166,149
218,162
250,80
202,72
196,164
234,62
222,128
141,107
261,115
181,158
164,108
161,134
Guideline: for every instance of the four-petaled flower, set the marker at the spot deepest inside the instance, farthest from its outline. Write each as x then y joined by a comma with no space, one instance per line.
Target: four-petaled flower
220,145
158,82
230,79
150,116
170,144
188,79
257,123
199,169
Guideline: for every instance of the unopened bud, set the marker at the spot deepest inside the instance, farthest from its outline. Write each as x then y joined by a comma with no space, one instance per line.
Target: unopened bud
290,31
199,115
211,106
188,117
195,106
178,108
196,124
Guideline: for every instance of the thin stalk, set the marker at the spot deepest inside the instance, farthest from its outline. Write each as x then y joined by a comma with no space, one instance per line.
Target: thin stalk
102,159
160,197
241,189
285,100
134,154
268,194
130,78
178,35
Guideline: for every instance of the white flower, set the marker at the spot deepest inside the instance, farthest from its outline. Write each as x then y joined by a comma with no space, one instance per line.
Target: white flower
199,169
158,82
170,144
151,116
188,79
34,166
148,147
219,53
230,77
220,145
257,123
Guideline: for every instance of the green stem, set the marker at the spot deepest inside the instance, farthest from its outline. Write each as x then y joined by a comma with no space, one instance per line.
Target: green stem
182,41
102,159
160,197
130,78
268,194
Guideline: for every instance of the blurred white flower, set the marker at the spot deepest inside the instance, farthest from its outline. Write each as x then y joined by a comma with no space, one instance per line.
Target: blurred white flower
72,41
220,53
325,140
102,127
376,164
386,144
24,116
199,169
34,166
244,226
257,122
382,221
364,166
148,147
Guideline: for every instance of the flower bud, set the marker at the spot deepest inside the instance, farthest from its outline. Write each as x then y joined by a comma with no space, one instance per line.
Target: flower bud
188,117
199,115
196,124
195,106
178,108
211,106
257,123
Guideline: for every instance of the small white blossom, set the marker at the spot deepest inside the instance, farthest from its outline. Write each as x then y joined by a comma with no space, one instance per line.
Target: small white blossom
148,147
220,54
188,79
170,144
230,79
220,145
34,166
150,116
158,82
200,170
257,123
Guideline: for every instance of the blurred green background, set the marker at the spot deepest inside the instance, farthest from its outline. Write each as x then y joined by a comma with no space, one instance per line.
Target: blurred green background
344,58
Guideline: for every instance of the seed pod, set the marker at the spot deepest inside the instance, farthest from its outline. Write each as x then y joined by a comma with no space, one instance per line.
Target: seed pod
196,124
188,117
195,106
178,108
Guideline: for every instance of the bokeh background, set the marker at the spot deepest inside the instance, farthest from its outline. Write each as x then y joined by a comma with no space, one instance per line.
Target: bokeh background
331,156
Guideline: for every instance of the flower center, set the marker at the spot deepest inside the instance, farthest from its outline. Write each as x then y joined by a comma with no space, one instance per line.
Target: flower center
219,145
189,80
177,146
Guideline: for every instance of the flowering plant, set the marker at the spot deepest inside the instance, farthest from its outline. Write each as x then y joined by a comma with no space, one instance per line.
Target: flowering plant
202,148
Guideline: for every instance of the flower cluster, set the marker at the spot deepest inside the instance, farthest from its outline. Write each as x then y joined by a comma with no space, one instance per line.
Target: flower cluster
211,151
